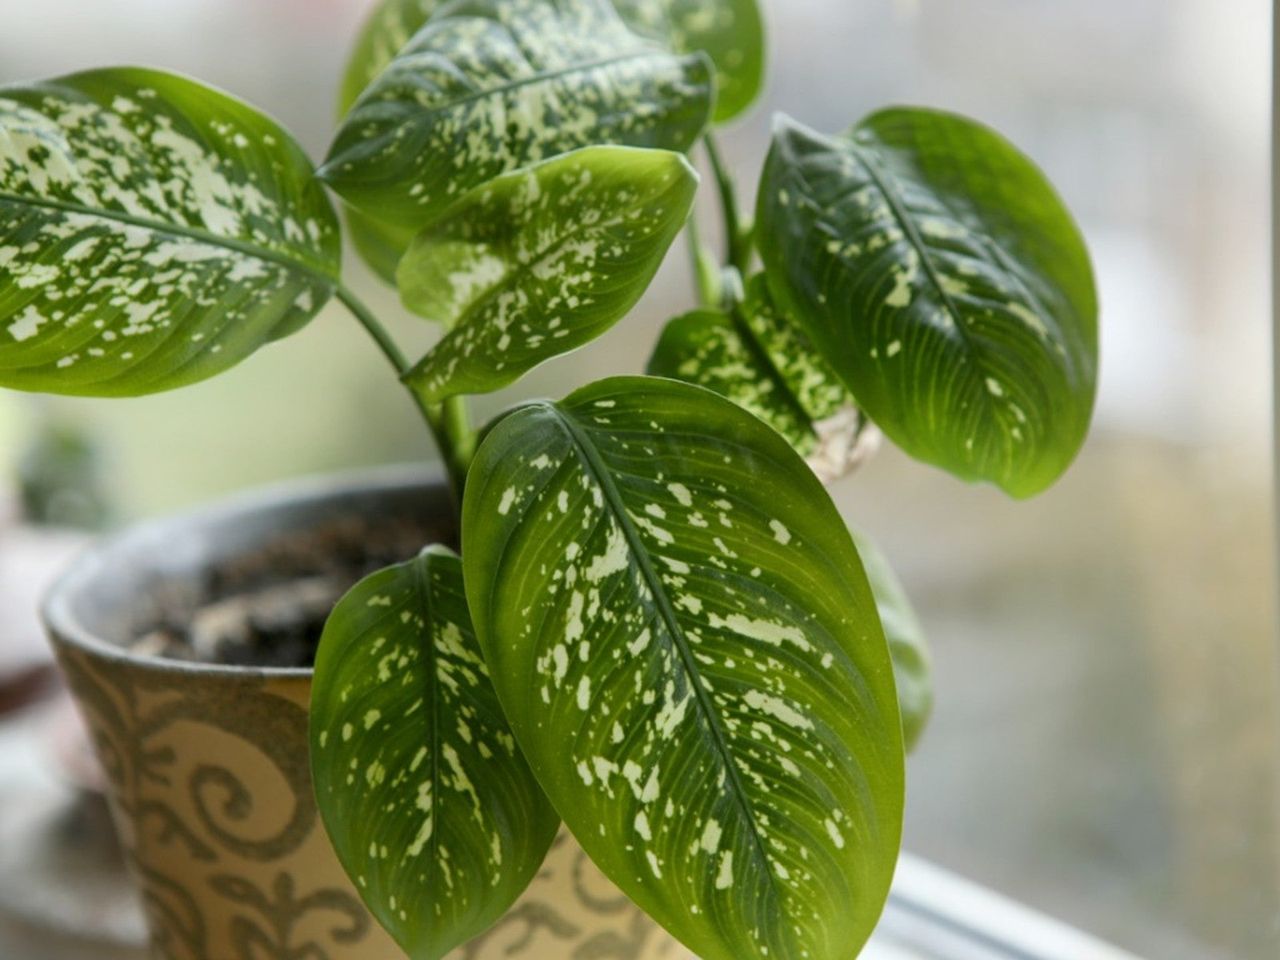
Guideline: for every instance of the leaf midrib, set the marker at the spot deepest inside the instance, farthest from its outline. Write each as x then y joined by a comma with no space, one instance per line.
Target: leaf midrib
173,229
613,498
422,587
427,114
996,255
757,349
900,214
914,238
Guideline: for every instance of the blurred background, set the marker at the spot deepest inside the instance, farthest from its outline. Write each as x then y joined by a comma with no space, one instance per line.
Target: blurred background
1106,741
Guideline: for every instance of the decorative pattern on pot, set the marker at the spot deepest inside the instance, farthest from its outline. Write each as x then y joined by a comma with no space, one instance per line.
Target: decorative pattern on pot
212,798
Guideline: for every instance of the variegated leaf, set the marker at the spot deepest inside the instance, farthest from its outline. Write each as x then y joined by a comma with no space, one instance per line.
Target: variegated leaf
540,261
685,643
945,282
387,29
761,360
489,86
153,232
731,32
912,665
429,804
389,26
713,349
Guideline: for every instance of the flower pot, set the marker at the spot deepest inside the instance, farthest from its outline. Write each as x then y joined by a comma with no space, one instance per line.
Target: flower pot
207,763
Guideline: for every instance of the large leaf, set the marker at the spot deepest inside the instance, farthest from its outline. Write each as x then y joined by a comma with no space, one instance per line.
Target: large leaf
541,261
429,804
731,32
912,665
489,86
388,27
687,648
153,232
945,282
760,359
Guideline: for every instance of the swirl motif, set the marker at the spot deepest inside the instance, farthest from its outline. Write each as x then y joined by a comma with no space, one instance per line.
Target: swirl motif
211,793
275,727
274,935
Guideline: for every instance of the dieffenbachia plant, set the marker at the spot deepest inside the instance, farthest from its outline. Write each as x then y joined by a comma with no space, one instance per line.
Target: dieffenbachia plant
659,631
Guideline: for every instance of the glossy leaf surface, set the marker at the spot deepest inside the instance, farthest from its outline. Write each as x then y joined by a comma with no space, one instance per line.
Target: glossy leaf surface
541,261
762,361
731,32
912,665
430,806
687,648
387,29
490,86
389,26
943,279
153,232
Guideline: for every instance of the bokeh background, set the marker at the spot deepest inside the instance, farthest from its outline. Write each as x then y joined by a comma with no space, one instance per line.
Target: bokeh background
1107,733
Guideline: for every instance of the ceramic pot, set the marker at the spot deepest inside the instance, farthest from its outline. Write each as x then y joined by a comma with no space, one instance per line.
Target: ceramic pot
207,764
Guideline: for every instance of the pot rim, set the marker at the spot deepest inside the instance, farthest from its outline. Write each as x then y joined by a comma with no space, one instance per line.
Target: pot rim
56,609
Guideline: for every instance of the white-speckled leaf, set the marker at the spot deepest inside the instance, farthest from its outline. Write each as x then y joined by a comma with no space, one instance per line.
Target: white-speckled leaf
912,664
540,261
761,360
387,28
428,802
945,282
153,232
731,32
713,349
684,641
490,86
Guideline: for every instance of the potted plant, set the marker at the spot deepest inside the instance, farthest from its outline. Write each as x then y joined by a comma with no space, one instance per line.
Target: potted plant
638,613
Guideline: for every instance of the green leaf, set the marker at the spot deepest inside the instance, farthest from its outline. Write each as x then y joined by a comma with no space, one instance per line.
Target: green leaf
710,348
540,261
912,665
428,802
761,360
153,232
731,32
389,26
381,246
490,86
943,279
687,648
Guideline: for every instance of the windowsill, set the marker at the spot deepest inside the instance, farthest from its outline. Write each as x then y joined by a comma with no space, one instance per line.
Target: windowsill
936,915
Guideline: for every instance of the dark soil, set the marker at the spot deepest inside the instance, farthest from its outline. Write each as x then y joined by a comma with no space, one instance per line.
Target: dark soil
268,608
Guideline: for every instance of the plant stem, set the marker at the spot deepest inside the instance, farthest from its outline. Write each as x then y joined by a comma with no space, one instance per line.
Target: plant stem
449,422
376,330
704,265
736,238
462,440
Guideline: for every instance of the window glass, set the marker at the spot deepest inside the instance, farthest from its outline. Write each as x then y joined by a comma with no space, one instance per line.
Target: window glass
1105,741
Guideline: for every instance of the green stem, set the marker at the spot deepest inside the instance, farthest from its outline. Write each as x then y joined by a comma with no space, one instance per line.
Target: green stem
705,269
449,422
376,330
462,440
737,239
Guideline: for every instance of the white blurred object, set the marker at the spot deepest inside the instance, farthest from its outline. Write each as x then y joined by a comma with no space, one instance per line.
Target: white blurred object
29,562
